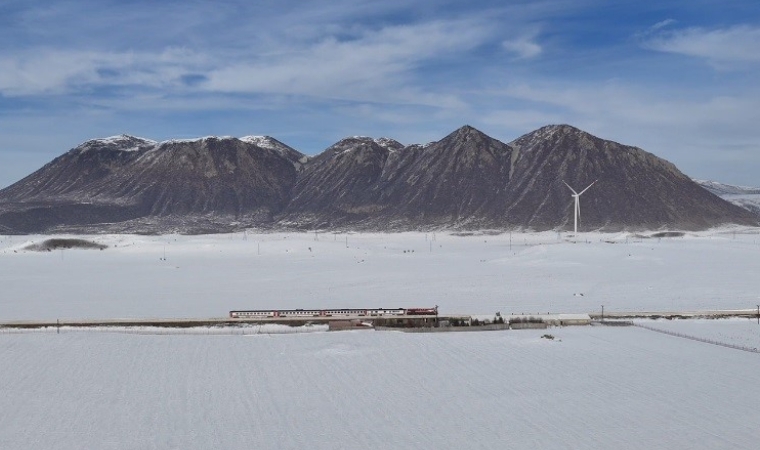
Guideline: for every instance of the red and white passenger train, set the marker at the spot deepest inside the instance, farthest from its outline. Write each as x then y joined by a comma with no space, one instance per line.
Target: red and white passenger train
378,312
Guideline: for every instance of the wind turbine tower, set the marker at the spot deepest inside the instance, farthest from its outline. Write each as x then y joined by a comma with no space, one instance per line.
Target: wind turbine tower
576,196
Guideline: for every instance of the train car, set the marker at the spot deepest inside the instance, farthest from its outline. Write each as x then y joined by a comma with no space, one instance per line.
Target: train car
253,314
422,311
385,312
345,312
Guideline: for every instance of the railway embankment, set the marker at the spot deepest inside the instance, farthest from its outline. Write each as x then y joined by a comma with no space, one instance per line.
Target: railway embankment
423,323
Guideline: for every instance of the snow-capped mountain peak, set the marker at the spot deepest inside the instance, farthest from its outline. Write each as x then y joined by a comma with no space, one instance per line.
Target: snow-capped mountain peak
261,141
122,142
198,139
388,143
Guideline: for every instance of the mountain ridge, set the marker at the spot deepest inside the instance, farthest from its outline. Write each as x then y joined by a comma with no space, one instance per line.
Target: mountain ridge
466,180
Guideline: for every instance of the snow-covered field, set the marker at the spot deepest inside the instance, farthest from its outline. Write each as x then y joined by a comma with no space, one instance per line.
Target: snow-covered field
206,276
589,388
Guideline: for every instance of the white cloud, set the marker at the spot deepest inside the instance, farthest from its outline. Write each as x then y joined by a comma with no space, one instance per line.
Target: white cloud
737,44
377,65
370,64
662,24
523,47
46,71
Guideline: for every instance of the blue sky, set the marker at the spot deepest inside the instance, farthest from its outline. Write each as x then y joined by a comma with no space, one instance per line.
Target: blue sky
676,78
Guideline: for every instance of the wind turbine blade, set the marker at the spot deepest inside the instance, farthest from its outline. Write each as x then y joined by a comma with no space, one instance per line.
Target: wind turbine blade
588,187
568,186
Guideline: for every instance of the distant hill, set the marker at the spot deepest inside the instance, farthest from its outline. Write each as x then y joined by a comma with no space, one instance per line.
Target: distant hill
743,196
467,180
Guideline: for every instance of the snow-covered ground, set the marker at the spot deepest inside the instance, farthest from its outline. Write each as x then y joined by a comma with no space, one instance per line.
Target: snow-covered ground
589,388
266,387
530,273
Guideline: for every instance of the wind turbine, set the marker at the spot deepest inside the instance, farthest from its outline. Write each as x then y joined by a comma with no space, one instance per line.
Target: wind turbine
576,196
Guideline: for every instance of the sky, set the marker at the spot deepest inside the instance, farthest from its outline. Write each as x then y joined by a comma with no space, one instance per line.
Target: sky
676,78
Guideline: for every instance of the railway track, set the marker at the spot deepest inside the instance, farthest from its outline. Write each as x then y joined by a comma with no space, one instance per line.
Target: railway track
207,322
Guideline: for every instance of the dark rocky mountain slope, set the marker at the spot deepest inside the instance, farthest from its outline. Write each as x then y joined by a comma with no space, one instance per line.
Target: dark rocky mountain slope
635,189
467,180
338,186
458,181
105,182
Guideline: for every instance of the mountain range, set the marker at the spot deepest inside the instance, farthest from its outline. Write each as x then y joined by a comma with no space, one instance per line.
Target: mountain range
465,181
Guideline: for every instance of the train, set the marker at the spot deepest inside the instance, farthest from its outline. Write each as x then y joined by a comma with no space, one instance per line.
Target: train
353,312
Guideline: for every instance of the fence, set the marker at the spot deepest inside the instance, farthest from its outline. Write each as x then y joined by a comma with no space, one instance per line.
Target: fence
267,329
490,327
614,323
699,339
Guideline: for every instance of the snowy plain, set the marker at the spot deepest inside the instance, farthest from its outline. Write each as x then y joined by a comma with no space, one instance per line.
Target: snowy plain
588,388
530,273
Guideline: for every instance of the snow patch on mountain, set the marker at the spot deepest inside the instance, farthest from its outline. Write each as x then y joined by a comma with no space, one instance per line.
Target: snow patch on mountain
122,142
269,143
349,144
262,141
199,139
389,144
